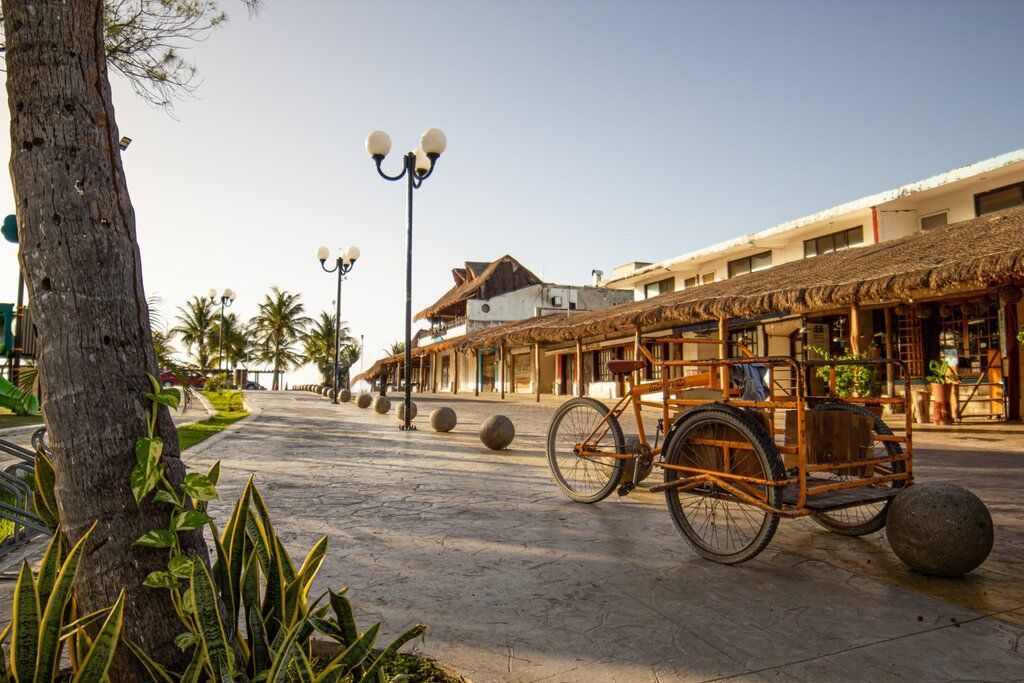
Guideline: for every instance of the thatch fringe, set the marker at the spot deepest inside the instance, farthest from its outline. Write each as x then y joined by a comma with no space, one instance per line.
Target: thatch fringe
976,253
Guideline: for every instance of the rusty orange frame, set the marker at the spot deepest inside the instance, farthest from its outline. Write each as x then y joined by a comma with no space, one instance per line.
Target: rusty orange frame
797,401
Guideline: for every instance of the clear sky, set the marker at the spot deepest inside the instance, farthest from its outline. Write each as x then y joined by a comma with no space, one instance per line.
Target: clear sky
581,135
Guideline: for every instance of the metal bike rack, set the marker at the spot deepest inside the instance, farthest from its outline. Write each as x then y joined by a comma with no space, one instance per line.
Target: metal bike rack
21,512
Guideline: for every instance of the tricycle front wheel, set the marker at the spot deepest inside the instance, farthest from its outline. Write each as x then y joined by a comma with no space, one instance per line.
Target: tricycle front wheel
592,478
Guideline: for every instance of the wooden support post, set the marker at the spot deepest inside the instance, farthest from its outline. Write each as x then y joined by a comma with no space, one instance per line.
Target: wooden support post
579,368
723,371
536,369
1012,355
637,355
477,379
855,329
890,370
455,370
422,378
501,368
435,363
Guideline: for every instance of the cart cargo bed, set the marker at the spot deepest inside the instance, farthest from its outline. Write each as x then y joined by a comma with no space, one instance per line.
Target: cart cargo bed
837,500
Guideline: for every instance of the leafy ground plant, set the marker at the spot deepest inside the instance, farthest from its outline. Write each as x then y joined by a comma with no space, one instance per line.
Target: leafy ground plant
43,622
252,577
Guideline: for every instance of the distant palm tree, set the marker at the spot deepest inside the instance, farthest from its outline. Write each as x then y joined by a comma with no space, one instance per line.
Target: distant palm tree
277,328
395,348
195,321
318,344
350,354
235,341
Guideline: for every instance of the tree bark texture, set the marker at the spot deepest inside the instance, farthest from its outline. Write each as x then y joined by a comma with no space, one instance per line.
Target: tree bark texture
79,253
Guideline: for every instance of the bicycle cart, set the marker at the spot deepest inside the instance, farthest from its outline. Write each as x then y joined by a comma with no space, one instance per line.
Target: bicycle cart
742,442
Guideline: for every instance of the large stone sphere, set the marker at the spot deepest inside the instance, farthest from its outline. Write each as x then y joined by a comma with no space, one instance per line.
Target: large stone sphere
400,412
497,432
325,391
364,400
382,404
939,529
443,419
344,395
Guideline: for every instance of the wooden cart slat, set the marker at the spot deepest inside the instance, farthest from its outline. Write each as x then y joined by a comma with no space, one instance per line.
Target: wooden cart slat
837,500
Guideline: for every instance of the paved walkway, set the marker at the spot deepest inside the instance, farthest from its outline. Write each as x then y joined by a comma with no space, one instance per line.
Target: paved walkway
518,583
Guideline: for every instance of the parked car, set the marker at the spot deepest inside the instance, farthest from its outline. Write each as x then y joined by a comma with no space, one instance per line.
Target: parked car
169,379
253,386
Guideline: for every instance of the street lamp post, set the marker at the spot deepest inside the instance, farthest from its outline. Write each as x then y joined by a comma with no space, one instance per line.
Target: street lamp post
227,298
343,264
416,167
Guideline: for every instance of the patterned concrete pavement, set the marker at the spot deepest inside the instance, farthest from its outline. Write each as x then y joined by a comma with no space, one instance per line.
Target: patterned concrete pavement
518,583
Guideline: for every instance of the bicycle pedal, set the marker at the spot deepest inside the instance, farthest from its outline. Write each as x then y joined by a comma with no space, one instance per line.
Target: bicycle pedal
626,488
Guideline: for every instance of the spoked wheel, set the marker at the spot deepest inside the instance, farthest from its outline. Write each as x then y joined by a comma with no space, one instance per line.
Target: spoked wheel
719,524
870,517
584,479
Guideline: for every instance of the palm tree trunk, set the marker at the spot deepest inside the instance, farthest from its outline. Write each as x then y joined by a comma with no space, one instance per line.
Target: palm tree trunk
79,252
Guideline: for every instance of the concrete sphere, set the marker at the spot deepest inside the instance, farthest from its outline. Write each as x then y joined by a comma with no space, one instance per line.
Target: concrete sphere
344,395
400,412
497,432
382,404
325,391
443,419
939,529
364,400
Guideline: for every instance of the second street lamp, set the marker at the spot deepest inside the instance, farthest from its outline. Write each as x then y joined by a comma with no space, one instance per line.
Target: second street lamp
342,265
416,167
226,299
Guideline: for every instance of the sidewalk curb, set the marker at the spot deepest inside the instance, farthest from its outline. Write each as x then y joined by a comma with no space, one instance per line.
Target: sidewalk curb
219,436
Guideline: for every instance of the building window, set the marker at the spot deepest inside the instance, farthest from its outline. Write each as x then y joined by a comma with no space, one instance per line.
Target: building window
747,338
653,372
750,264
690,282
601,372
836,241
999,199
707,278
658,288
936,220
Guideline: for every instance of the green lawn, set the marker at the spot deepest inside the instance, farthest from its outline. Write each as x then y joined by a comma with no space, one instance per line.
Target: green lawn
200,431
9,419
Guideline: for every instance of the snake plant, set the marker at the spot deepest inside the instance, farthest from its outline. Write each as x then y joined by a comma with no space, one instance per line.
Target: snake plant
43,623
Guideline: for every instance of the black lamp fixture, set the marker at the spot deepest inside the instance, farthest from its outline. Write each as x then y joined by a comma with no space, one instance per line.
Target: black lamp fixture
342,265
416,167
227,298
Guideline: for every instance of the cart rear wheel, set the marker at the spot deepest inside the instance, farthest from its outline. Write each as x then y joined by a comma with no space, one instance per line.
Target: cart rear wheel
590,479
719,524
870,517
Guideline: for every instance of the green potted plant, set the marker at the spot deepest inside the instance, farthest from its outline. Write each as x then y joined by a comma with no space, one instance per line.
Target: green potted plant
859,381
941,377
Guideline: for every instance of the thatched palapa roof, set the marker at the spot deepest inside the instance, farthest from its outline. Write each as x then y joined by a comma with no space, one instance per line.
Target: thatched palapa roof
480,280
975,253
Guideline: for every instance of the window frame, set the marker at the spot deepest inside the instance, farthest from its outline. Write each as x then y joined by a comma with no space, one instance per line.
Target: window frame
934,214
844,233
670,280
750,264
979,195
